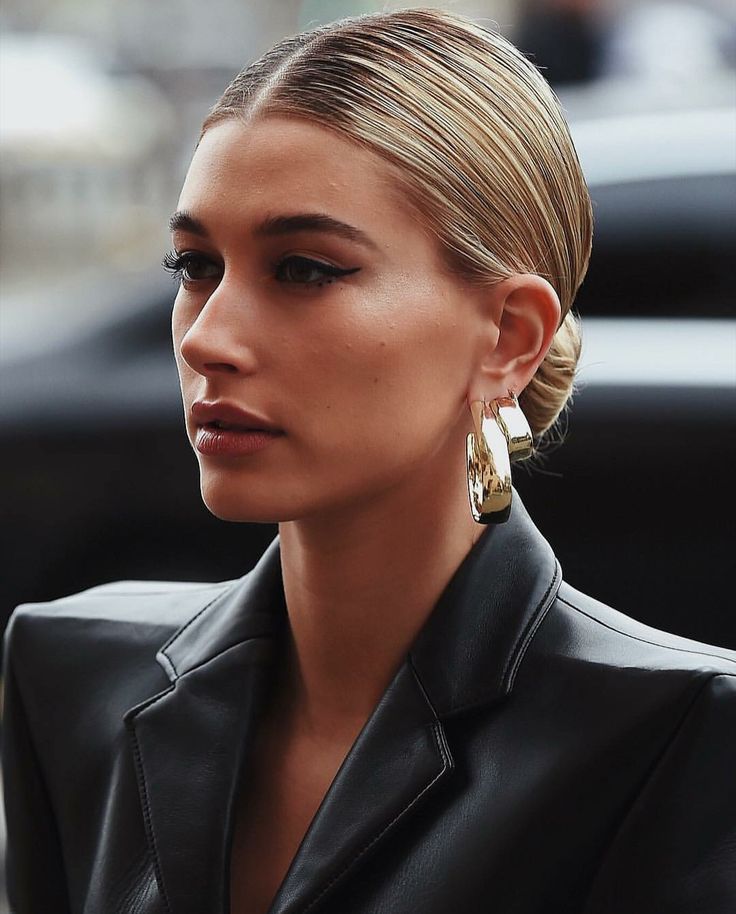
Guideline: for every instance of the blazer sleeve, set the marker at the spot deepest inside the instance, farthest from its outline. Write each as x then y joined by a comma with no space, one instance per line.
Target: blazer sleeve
675,851
34,866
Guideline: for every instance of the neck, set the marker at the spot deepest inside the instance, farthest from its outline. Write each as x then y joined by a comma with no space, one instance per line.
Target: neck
359,585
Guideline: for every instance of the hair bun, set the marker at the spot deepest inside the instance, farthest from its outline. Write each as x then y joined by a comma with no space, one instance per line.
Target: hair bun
548,392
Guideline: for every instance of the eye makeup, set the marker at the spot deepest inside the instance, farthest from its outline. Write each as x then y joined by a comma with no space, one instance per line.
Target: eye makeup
295,269
302,270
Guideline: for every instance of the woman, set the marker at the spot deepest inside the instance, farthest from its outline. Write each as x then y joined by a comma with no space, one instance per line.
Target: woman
402,708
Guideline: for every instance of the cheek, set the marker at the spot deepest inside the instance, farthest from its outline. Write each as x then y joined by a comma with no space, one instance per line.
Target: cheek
390,376
412,352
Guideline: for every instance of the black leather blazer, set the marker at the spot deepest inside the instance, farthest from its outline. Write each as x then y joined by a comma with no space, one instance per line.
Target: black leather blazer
535,752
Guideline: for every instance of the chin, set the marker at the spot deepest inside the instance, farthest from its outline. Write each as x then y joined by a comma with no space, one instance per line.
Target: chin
250,503
238,509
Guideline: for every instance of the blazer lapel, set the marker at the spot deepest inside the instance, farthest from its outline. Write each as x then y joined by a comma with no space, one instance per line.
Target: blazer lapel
190,741
397,761
464,657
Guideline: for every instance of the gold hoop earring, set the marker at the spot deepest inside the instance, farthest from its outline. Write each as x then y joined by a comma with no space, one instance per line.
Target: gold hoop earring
501,435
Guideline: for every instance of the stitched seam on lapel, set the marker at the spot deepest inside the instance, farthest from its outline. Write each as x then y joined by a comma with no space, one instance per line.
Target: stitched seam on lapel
144,790
181,631
437,731
520,647
419,682
524,640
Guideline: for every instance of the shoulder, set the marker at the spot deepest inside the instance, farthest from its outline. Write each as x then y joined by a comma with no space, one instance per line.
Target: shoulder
108,633
609,657
124,602
117,607
76,665
658,717
586,629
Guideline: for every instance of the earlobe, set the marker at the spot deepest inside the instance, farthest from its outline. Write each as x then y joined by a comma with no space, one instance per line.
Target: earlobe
527,315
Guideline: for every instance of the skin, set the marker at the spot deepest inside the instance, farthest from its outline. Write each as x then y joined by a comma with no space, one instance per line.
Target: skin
369,377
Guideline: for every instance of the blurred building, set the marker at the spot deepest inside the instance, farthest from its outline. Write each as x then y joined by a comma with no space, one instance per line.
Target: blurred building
101,102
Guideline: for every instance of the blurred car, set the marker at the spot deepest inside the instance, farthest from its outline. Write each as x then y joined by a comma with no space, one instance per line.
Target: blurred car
101,483
78,172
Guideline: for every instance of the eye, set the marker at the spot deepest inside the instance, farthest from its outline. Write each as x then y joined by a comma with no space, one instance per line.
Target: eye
189,266
308,272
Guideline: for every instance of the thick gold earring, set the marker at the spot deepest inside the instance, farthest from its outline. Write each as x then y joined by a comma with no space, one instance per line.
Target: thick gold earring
501,434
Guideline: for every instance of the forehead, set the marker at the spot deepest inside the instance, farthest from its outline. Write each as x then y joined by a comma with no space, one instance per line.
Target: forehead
286,164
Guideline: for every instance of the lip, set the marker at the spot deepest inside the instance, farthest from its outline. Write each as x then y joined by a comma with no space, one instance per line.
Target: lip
206,412
240,434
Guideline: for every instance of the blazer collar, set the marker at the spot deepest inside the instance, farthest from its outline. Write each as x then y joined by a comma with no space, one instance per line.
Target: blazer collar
469,649
471,646
251,607
191,743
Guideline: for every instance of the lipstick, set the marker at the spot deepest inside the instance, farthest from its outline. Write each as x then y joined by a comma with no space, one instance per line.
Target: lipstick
227,430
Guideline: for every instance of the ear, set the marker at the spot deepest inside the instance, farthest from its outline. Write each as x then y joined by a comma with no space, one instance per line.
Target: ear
522,316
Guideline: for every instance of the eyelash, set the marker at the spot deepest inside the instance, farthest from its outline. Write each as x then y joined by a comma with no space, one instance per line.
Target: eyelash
178,263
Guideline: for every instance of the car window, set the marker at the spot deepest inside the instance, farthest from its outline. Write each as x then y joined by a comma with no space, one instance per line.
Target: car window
662,248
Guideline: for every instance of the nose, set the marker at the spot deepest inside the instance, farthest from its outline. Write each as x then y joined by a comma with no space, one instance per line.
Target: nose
215,342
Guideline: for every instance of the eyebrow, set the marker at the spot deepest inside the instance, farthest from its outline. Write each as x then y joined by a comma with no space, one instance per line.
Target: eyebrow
182,221
276,226
273,226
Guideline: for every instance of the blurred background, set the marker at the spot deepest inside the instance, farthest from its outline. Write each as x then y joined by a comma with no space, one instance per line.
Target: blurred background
100,107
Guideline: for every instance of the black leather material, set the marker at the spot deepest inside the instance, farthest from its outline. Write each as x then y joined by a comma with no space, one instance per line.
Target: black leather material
536,752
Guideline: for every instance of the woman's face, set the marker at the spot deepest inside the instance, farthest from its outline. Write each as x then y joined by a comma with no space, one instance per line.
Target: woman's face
313,301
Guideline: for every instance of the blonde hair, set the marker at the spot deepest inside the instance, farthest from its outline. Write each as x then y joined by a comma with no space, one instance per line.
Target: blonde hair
479,140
